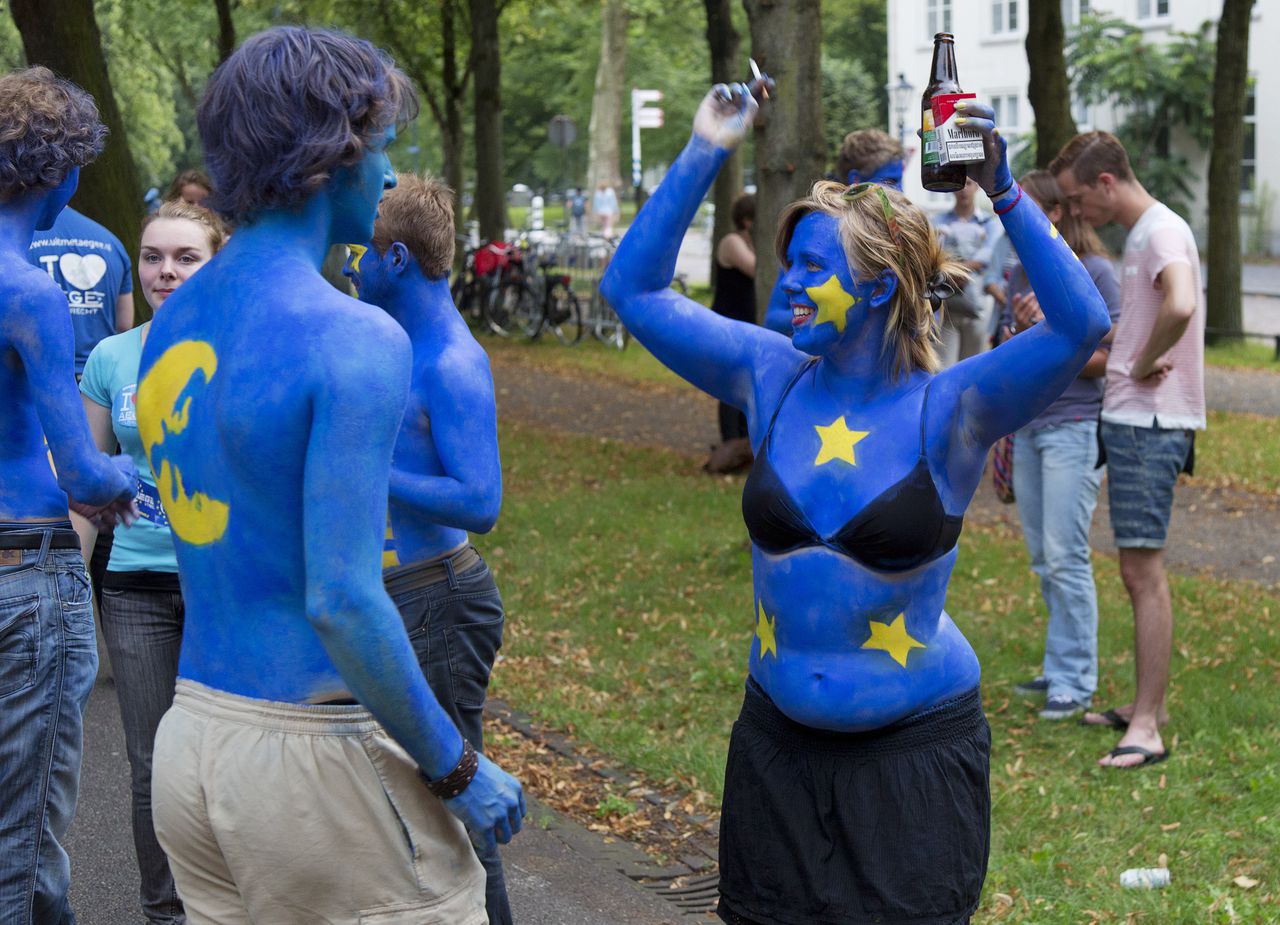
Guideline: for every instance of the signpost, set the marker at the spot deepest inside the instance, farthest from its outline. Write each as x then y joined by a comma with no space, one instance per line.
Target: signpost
642,116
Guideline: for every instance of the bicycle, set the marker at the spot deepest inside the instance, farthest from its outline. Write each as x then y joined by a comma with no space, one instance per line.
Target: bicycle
486,270
545,301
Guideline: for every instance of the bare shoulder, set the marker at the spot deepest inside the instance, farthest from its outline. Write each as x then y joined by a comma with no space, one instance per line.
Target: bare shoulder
29,300
356,345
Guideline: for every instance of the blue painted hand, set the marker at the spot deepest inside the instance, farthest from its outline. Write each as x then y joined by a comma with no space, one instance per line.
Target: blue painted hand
992,173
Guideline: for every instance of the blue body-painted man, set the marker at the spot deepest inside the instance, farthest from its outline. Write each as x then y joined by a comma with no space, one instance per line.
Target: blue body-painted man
288,779
50,129
446,478
865,156
861,686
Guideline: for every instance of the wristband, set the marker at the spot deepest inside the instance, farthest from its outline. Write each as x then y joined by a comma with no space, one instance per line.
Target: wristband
457,780
1001,210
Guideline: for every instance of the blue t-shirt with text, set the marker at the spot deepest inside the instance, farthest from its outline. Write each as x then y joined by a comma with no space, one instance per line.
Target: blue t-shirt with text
91,266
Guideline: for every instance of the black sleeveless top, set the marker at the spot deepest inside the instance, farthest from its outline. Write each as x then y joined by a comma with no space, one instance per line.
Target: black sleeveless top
735,294
903,528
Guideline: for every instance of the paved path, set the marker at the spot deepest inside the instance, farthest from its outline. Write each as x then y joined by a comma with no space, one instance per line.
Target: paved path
558,873
1225,532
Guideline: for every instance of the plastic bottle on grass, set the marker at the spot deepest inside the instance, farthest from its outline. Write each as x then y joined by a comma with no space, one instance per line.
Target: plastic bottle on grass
1145,878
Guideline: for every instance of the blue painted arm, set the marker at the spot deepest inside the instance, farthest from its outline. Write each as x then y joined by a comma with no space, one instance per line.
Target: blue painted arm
777,316
1003,389
356,410
46,345
464,429
713,353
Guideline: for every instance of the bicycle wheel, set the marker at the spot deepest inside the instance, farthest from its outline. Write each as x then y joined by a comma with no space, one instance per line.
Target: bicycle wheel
564,315
527,313
607,326
500,308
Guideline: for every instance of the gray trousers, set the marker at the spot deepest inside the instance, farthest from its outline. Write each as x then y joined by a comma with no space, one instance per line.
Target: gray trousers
143,632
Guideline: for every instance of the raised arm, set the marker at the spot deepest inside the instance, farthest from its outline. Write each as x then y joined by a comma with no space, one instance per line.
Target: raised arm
356,409
46,345
997,392
715,354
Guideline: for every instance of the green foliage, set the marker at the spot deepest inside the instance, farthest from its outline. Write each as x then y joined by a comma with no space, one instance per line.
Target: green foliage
1157,89
848,101
857,31
614,805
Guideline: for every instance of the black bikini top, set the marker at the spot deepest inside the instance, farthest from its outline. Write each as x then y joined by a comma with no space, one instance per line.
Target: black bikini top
902,528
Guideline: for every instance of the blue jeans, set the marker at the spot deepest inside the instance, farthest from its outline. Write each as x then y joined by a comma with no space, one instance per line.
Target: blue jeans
48,662
455,626
143,632
1056,485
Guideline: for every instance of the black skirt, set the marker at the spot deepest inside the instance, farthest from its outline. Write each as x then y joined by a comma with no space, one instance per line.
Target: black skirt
890,826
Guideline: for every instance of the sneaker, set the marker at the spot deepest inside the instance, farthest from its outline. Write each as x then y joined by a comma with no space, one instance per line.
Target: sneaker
1035,687
1060,706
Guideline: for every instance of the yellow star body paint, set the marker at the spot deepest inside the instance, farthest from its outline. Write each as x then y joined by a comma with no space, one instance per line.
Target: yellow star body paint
893,638
164,409
766,632
832,302
838,442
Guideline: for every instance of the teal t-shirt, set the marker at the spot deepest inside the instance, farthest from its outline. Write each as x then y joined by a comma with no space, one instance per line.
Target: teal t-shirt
111,379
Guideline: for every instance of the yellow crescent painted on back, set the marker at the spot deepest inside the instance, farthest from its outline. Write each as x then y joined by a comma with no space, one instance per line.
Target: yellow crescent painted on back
196,518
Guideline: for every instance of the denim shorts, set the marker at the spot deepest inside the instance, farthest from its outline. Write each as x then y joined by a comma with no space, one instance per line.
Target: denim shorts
1142,467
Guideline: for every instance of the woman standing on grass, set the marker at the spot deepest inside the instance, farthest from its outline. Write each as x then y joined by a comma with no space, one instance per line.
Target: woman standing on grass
857,780
142,608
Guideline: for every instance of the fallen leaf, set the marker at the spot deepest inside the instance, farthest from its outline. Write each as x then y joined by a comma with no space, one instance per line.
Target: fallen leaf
1245,883
1170,827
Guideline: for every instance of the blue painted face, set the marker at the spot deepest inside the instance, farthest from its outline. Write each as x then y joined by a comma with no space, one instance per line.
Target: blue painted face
59,196
826,301
889,174
357,190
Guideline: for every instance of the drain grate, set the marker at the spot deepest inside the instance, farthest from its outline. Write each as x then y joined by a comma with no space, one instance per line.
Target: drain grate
694,896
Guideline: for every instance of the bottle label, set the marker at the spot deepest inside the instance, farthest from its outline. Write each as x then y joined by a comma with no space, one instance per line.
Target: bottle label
956,145
929,139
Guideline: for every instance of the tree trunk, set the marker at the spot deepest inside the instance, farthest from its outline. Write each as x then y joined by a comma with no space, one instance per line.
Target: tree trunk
486,62
226,30
63,36
1230,80
1047,87
723,41
451,138
786,41
606,105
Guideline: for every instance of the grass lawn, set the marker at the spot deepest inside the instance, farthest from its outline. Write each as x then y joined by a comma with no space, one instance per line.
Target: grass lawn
626,575
1238,450
1243,354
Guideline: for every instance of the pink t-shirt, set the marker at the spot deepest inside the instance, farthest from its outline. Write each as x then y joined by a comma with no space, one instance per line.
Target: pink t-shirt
1160,237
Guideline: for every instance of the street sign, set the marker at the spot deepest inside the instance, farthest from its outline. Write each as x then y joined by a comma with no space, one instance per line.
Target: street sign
562,131
642,116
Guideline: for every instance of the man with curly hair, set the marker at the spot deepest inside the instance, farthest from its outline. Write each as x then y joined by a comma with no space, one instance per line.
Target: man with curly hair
49,129
305,772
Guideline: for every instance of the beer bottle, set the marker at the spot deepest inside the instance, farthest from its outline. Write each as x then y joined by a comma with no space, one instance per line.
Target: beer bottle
943,79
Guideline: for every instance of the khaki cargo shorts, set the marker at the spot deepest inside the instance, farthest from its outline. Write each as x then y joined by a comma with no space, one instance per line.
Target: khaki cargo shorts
277,813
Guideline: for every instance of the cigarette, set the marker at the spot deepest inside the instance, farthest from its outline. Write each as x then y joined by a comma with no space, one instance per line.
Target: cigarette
755,73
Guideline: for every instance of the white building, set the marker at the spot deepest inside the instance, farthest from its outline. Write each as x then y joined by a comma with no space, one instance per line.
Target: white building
991,57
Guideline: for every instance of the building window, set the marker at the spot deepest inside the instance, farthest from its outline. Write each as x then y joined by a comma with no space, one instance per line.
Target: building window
1153,9
1004,16
1081,114
1249,161
1005,108
939,16
1073,11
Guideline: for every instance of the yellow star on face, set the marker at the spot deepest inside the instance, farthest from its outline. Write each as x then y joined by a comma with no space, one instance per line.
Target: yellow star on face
838,441
765,629
892,638
832,301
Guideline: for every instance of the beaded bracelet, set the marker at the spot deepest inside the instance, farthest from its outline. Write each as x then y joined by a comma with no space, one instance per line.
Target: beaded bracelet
457,780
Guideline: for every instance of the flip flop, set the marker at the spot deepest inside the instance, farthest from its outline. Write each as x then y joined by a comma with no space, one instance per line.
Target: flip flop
1148,756
1113,721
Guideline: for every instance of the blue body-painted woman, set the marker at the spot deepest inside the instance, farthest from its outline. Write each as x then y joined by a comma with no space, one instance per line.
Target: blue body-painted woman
865,462
269,403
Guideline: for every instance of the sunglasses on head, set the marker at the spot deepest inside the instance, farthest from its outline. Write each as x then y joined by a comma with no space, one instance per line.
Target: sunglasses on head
858,190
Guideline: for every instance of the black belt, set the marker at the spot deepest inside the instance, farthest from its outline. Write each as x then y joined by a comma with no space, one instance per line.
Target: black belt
62,539
418,575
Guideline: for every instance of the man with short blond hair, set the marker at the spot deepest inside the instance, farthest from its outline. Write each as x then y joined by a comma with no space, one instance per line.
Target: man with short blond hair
1154,403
